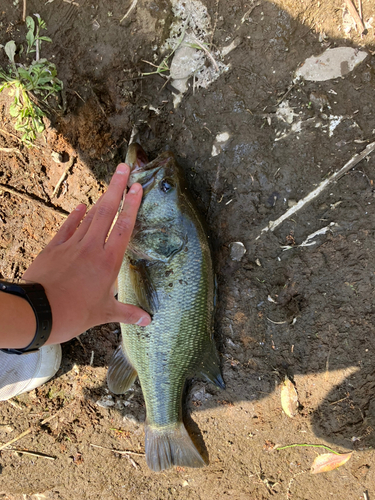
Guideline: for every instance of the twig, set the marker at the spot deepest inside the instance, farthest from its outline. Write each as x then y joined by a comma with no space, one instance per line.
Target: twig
32,453
291,87
126,453
30,429
62,178
10,150
355,16
131,8
327,363
40,203
120,452
277,322
339,400
360,9
215,23
307,242
272,225
208,53
308,445
20,436
24,11
249,11
14,404
11,135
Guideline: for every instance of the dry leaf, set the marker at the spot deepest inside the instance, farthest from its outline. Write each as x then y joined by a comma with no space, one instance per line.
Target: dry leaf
289,398
333,63
329,461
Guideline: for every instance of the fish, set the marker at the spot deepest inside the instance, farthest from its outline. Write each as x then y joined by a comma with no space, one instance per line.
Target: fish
168,271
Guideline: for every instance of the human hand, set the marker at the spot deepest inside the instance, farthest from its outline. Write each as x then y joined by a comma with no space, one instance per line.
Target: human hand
79,267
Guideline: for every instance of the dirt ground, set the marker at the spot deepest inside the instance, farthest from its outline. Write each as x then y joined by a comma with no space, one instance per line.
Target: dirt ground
306,312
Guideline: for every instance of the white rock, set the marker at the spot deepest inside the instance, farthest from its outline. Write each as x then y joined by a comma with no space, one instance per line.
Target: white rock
237,250
333,63
220,141
285,112
106,401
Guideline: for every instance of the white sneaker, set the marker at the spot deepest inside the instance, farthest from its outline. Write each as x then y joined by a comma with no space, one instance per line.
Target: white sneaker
24,373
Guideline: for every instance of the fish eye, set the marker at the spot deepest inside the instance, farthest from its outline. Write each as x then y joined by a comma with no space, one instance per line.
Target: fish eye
166,185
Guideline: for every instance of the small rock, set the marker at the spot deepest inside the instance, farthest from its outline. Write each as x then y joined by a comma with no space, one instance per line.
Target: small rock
237,250
201,395
219,143
292,203
319,100
57,157
119,405
106,401
131,419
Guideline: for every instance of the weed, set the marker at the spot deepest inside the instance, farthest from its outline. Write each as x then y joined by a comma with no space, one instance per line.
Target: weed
30,84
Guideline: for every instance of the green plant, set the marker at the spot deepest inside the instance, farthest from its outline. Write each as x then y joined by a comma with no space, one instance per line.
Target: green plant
30,83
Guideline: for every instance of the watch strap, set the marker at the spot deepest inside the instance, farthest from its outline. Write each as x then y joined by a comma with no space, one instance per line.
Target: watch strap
35,295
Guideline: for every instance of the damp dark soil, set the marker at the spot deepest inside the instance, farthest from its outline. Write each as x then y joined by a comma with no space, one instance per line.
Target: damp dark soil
284,310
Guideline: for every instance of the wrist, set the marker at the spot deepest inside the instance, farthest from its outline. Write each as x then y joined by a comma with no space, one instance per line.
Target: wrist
34,296
18,322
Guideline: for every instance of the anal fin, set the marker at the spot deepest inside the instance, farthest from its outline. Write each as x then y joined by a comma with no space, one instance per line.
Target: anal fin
121,374
210,369
170,446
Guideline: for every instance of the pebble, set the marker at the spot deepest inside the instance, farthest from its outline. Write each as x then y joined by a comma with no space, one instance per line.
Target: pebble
237,250
106,401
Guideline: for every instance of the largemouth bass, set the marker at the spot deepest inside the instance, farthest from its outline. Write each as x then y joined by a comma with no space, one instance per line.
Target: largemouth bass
167,270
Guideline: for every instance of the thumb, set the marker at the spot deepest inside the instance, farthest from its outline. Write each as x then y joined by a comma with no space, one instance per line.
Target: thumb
131,315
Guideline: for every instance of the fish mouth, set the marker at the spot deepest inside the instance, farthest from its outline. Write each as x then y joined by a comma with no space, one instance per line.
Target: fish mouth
138,161
143,171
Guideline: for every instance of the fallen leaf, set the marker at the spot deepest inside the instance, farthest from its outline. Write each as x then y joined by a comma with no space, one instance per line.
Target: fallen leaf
289,398
329,461
77,459
333,63
269,445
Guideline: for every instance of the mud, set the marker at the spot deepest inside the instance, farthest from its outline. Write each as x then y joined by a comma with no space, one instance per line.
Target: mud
302,312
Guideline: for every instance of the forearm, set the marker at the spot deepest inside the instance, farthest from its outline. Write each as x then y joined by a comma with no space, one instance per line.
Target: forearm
17,322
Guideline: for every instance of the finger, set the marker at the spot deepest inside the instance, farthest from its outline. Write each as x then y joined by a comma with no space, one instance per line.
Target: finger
130,315
123,228
69,227
107,207
85,224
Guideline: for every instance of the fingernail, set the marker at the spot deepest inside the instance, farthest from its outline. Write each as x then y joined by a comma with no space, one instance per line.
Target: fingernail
80,207
122,169
135,189
143,321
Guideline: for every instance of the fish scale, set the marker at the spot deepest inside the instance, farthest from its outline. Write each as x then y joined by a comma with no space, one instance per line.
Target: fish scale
168,260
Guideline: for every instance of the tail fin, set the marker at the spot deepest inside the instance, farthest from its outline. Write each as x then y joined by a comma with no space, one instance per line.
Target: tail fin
169,446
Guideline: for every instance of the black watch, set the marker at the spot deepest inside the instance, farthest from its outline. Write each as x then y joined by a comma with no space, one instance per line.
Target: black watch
36,297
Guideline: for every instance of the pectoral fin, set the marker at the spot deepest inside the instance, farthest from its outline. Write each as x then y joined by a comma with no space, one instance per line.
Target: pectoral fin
144,288
121,374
